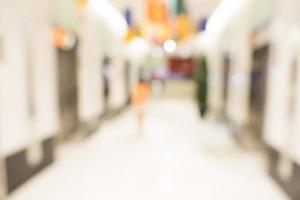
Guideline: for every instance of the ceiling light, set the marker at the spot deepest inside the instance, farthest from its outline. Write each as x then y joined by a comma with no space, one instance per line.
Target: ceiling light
170,46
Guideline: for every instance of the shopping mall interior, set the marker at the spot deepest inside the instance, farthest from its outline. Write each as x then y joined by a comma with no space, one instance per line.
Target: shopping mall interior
149,99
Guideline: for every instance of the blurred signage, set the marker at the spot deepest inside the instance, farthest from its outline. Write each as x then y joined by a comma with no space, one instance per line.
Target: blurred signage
181,67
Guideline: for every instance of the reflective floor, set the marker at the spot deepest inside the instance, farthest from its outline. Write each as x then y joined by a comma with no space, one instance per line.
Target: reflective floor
180,157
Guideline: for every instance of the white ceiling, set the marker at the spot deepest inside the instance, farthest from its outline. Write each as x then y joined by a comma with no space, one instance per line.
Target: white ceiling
200,8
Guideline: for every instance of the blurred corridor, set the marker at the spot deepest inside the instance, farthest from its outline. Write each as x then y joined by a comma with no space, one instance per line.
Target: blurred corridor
149,99
179,158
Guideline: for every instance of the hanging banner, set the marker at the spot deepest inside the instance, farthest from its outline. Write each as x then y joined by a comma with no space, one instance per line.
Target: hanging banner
157,11
128,17
159,28
202,25
184,27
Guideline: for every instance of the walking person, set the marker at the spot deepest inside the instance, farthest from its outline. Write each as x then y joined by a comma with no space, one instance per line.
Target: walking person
140,97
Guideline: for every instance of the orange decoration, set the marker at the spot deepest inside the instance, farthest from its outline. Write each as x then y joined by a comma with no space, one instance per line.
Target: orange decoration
184,27
164,32
59,37
131,34
157,11
81,3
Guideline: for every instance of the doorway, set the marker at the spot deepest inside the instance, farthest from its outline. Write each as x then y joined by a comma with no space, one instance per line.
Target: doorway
258,90
226,78
68,90
127,78
106,78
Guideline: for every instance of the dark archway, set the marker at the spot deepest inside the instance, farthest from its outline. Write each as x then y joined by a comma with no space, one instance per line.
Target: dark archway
68,90
258,90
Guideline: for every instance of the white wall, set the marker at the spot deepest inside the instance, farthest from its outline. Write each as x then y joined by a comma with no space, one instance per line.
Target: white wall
29,28
240,72
89,74
215,80
45,83
276,120
296,120
117,96
281,129
228,30
13,105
